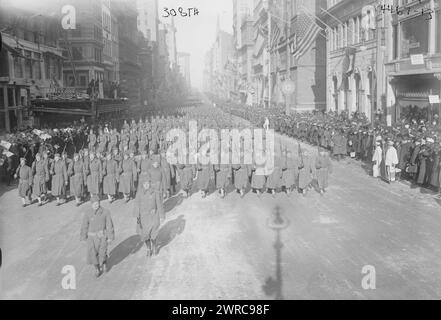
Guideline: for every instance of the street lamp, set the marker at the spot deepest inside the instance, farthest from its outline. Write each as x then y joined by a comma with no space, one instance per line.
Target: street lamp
277,222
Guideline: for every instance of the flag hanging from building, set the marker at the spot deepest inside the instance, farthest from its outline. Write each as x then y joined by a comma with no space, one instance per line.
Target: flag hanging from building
275,34
348,65
307,31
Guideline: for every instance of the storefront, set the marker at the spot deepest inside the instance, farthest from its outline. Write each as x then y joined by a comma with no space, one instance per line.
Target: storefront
416,96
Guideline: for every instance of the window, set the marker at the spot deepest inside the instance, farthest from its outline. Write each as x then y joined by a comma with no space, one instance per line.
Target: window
414,36
357,30
395,41
438,27
36,66
76,33
77,53
28,64
18,69
98,55
83,81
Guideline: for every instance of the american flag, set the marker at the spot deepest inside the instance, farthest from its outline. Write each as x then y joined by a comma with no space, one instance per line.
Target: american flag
275,34
306,32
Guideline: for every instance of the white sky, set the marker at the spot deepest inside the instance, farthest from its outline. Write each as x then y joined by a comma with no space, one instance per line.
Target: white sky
196,34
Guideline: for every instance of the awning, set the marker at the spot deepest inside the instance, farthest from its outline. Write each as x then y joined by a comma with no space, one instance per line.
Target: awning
12,50
420,103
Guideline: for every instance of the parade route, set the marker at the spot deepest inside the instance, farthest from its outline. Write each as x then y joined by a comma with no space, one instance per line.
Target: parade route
217,248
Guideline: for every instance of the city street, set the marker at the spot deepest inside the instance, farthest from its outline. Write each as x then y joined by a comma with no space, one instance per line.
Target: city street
224,248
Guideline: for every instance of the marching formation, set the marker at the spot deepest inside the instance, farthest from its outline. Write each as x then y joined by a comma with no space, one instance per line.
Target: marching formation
409,149
131,163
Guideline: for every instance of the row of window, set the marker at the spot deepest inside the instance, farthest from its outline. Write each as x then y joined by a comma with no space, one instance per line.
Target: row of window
411,36
31,68
350,33
83,53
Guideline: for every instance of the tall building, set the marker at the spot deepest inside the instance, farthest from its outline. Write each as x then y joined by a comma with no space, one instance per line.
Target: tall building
412,56
221,62
184,66
148,18
171,43
353,58
243,22
130,76
31,62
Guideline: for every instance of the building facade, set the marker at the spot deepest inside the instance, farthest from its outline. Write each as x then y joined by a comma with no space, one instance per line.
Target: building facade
413,61
31,63
184,66
353,50
243,22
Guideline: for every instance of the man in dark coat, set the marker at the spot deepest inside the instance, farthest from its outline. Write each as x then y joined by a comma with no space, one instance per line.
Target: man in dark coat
97,230
145,210
24,173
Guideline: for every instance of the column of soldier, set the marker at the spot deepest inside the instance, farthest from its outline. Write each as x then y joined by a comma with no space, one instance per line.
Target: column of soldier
118,162
410,148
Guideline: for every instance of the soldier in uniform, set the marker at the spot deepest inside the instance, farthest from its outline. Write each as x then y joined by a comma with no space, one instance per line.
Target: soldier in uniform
40,171
323,166
156,179
290,172
77,174
94,175
186,173
222,175
111,177
24,173
92,140
127,177
97,230
59,179
145,210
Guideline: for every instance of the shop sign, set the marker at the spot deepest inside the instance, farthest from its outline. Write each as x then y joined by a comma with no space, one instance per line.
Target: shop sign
417,59
433,99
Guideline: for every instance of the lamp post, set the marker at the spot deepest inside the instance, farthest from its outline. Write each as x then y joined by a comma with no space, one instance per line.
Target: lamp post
278,222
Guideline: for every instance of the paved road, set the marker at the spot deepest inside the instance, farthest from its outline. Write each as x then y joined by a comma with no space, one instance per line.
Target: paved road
224,248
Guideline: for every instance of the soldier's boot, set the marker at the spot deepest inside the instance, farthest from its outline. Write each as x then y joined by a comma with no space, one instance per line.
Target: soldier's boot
258,192
153,246
242,193
149,248
23,202
97,271
109,197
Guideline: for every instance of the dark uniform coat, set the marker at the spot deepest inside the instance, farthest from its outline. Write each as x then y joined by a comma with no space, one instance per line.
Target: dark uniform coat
128,176
145,210
111,176
40,171
59,178
24,174
95,176
97,228
77,174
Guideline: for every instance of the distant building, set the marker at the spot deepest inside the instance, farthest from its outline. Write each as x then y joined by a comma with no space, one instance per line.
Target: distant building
221,65
148,18
243,22
184,66
31,62
171,43
352,56
130,75
412,56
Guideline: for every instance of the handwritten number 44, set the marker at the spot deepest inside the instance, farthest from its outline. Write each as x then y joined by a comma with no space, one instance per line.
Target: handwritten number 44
181,12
